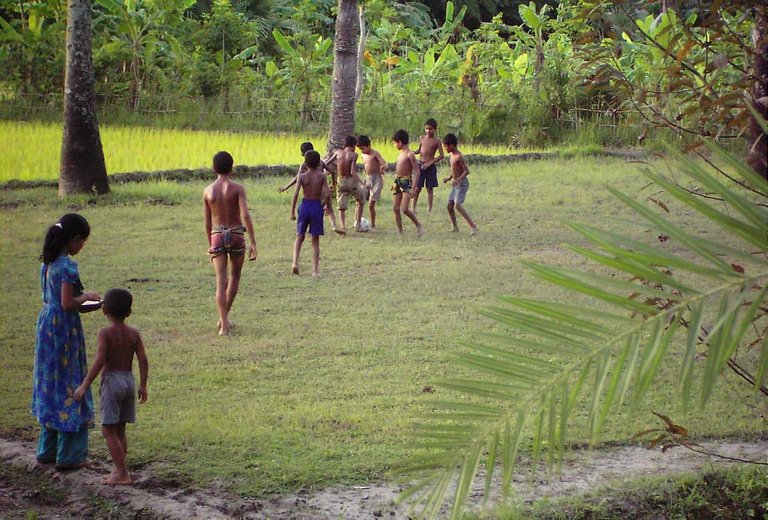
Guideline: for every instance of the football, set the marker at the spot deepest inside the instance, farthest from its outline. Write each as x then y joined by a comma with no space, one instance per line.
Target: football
364,225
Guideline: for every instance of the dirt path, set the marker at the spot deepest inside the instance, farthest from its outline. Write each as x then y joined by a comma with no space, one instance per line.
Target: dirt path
583,471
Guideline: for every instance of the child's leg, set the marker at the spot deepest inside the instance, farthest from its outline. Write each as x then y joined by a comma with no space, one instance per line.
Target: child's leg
410,214
452,214
415,196
331,217
472,225
372,210
396,203
430,198
236,267
116,449
296,253
315,255
359,212
222,281
122,437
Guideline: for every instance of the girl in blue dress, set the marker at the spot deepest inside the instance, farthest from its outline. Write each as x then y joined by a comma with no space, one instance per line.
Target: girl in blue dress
60,363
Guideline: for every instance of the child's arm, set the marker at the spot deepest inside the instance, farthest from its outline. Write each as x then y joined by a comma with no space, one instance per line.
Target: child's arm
414,169
141,355
439,157
287,186
246,216
295,200
326,196
208,220
98,364
69,302
383,166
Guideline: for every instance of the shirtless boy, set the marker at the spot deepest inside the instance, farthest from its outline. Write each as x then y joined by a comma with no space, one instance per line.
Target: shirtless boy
315,193
405,170
117,345
329,166
429,148
226,210
350,183
459,184
375,167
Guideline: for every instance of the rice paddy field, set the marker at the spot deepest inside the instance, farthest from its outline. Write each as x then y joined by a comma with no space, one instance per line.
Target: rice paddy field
31,149
323,379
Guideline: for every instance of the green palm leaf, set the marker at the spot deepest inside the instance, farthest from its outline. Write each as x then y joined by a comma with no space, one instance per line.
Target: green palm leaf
561,356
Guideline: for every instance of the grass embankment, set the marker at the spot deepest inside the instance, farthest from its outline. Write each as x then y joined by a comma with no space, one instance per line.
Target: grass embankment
31,150
322,378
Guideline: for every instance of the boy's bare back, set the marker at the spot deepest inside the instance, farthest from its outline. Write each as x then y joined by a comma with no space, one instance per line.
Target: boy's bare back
121,343
313,184
225,199
345,160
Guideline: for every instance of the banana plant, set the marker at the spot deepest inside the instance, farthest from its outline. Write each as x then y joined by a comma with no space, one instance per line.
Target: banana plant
306,65
690,308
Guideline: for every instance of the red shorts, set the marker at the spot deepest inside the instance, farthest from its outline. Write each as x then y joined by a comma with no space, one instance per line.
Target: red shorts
227,241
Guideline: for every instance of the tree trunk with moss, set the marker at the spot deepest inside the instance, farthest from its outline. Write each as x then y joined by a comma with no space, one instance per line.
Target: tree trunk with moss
758,151
344,78
82,157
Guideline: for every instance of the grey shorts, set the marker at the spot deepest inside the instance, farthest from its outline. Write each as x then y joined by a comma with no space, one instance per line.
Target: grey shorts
459,193
118,398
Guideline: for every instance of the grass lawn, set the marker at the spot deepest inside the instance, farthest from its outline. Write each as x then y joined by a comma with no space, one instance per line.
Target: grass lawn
323,378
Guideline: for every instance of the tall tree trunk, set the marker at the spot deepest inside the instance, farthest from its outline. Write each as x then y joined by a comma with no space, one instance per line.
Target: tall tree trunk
82,157
344,74
360,52
758,140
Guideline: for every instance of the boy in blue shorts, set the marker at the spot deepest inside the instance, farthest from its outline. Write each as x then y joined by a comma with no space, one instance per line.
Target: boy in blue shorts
459,183
430,152
117,345
315,195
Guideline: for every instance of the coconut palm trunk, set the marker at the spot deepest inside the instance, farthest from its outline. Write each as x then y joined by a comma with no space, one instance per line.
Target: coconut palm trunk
344,78
82,157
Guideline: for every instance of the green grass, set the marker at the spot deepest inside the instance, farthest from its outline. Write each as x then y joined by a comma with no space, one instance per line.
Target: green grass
31,150
323,378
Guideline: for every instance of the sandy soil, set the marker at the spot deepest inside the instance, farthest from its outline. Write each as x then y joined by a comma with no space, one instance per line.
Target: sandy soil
584,470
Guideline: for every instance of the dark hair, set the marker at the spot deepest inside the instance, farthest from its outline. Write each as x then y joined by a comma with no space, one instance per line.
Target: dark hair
222,162
305,147
401,136
364,140
117,303
350,140
450,139
431,122
312,158
68,227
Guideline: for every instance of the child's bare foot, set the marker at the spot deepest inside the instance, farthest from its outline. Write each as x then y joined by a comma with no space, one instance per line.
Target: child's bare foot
295,269
71,467
340,231
473,231
419,231
455,229
316,274
115,479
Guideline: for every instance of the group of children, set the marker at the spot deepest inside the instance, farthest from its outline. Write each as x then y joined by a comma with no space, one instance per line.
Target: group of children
61,396
411,176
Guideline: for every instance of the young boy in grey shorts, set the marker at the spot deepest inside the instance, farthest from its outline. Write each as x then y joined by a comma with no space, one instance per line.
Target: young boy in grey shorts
117,345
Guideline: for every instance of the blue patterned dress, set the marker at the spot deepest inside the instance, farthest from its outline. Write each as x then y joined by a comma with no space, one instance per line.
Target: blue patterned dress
60,362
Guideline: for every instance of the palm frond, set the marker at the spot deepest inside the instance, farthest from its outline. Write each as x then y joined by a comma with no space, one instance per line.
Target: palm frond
606,356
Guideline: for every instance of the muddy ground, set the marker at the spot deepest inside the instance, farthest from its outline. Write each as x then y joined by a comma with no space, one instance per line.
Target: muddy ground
27,488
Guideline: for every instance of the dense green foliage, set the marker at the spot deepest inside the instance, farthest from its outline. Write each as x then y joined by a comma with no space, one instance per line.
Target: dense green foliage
528,78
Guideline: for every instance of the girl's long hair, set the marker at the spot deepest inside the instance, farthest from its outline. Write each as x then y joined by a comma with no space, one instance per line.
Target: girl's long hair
60,234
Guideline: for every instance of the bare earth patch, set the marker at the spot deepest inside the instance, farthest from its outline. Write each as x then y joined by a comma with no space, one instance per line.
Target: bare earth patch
584,470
